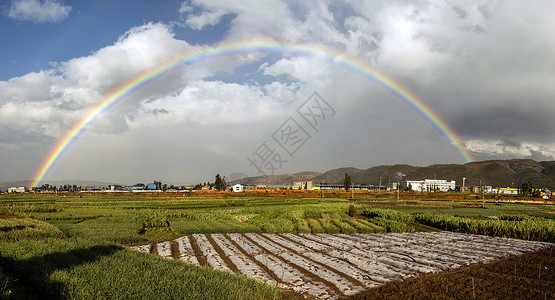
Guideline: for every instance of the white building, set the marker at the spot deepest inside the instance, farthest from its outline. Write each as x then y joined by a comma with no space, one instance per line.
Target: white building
238,188
20,189
302,185
430,185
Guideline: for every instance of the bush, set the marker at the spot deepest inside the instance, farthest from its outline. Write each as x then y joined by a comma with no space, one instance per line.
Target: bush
273,225
150,219
388,214
363,226
302,226
391,225
343,227
315,226
328,226
16,229
352,211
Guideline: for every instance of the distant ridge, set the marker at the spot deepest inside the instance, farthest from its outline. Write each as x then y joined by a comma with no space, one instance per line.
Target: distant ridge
83,183
497,173
278,179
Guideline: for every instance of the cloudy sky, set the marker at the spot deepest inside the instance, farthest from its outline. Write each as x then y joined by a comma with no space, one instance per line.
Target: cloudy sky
487,68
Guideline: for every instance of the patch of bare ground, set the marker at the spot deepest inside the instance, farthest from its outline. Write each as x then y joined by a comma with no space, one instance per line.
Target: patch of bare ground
528,276
8,216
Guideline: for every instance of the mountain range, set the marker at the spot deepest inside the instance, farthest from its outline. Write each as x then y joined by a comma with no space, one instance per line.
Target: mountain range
497,173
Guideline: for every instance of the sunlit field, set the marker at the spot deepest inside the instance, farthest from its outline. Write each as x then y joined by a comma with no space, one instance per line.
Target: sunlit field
77,246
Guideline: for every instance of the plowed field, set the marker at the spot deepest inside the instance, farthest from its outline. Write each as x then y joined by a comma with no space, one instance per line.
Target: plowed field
330,266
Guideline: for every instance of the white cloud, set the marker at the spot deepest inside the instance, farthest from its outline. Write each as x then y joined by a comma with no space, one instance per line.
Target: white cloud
306,69
45,104
39,11
215,102
503,149
138,50
267,18
483,68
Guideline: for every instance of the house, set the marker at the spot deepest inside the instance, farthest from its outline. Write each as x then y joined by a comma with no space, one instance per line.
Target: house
508,191
302,185
238,188
430,185
20,189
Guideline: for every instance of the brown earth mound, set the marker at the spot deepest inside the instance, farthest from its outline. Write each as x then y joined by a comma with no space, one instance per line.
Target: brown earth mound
529,276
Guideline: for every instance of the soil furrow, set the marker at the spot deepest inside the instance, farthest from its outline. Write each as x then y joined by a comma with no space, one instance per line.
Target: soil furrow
154,248
323,252
222,254
261,265
198,254
175,250
349,278
305,272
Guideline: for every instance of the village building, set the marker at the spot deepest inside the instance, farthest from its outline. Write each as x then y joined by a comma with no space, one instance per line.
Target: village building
302,185
429,185
238,188
20,189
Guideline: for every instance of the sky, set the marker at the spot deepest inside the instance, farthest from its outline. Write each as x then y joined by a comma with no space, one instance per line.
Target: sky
485,68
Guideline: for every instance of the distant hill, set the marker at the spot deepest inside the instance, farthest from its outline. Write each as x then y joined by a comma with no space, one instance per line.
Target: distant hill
497,173
278,179
83,183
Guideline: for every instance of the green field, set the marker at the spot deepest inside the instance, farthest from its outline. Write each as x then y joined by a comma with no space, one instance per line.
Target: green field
73,247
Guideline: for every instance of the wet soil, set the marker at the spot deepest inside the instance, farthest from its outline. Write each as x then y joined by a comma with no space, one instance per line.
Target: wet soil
529,276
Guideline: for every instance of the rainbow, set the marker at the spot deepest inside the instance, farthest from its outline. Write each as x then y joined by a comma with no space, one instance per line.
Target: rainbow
245,47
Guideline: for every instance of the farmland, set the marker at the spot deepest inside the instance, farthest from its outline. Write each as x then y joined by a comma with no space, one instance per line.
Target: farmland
326,266
76,246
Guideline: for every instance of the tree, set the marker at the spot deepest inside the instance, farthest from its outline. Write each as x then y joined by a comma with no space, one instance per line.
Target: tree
347,182
219,183
526,189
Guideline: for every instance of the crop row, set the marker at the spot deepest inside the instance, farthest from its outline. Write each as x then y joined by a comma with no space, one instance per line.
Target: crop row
521,227
530,228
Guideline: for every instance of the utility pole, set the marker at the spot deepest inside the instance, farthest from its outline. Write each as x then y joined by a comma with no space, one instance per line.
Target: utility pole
352,192
398,187
483,199
380,186
289,189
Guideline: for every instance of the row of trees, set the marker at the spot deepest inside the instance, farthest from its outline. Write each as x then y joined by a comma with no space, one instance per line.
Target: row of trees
53,188
526,189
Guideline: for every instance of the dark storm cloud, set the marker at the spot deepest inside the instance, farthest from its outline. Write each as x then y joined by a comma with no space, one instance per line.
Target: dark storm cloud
159,111
506,123
473,28
461,13
540,155
509,143
12,139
